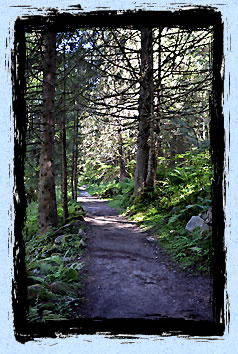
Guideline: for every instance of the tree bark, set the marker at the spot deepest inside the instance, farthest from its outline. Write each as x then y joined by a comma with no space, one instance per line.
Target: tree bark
152,162
64,158
121,153
72,177
73,164
145,110
76,159
47,207
64,170
155,129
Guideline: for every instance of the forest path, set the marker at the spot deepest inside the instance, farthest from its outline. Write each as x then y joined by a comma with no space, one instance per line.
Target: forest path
128,278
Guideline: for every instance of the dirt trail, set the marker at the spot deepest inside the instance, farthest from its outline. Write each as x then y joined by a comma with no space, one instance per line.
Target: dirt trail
128,278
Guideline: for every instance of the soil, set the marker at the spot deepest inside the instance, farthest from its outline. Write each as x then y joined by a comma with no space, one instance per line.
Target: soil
129,277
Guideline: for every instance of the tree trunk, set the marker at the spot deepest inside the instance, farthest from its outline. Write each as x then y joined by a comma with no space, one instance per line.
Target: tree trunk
64,158
73,163
64,170
145,110
47,207
72,177
152,162
76,159
155,129
121,154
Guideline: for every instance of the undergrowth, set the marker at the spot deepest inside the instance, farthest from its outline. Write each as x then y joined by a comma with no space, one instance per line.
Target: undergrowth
180,192
53,265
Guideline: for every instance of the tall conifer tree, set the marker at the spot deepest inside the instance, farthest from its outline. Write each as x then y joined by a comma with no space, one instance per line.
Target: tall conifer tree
47,207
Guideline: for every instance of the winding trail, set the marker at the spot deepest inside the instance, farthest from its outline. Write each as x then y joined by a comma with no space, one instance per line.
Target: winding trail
129,278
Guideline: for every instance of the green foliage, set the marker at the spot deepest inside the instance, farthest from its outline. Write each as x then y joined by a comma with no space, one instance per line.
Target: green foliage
120,193
180,192
54,268
188,182
58,272
96,189
30,228
98,171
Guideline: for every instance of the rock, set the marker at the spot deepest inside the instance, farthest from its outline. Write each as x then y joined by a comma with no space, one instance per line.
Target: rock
203,215
207,216
82,233
194,222
36,271
208,219
67,225
80,266
82,243
59,239
150,239
204,227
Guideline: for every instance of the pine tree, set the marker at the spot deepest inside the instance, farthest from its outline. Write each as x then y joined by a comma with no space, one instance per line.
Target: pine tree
146,109
47,208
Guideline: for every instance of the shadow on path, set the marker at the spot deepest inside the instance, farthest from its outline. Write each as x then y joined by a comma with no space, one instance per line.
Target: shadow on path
128,278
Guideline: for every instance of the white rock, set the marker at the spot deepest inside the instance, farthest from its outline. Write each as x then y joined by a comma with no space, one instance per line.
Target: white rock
150,239
59,239
82,243
81,233
195,222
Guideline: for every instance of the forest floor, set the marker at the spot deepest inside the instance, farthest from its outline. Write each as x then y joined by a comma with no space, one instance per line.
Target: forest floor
129,277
